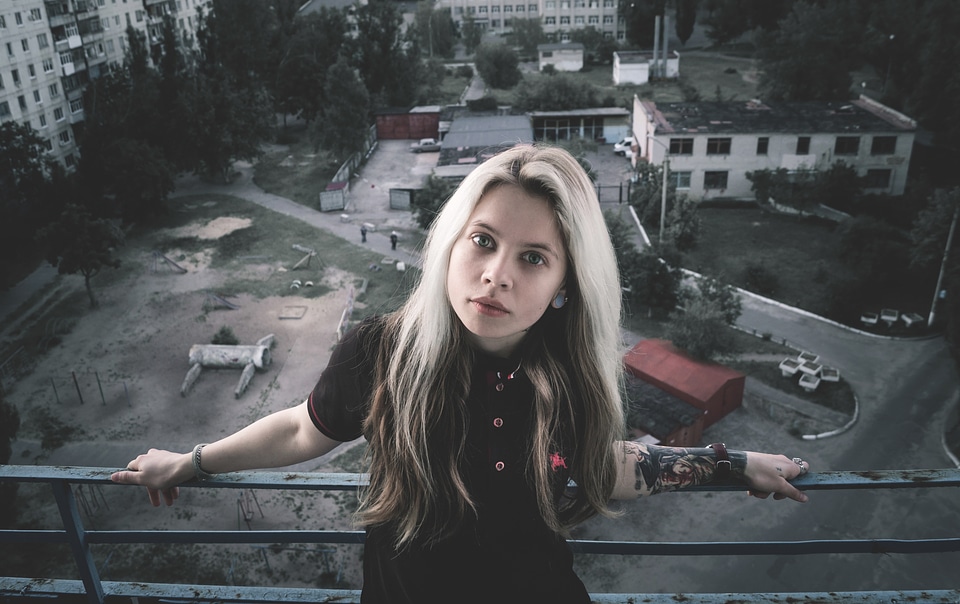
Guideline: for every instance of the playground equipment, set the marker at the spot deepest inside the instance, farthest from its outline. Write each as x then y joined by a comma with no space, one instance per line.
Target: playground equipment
159,257
213,356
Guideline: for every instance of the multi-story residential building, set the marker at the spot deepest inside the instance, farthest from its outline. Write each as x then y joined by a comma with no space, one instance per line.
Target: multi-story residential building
50,49
712,145
558,17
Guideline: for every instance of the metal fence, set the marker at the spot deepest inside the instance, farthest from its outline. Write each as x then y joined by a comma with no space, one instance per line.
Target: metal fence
64,482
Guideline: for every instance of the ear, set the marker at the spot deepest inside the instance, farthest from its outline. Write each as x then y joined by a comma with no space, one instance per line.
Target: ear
560,299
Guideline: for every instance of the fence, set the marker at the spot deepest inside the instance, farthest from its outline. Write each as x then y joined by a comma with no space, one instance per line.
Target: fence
89,387
90,588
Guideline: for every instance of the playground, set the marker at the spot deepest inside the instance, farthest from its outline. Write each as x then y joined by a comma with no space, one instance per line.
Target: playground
107,385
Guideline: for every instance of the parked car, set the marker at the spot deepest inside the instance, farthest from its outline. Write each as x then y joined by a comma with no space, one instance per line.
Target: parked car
425,145
624,147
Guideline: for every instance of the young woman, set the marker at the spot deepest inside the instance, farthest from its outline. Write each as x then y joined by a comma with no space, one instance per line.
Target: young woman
494,386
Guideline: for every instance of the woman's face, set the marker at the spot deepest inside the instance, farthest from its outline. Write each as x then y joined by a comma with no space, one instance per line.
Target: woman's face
506,268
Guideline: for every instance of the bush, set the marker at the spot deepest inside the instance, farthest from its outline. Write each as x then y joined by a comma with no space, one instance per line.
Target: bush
760,279
225,337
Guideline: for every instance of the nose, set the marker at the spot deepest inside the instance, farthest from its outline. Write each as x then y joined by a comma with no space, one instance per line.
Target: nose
498,272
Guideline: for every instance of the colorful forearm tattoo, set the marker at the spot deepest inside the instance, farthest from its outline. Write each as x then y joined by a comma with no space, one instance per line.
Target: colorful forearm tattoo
660,469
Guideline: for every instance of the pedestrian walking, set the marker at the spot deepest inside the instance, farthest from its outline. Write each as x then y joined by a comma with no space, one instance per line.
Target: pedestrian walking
393,240
363,233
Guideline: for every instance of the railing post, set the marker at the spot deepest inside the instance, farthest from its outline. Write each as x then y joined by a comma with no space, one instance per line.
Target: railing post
76,535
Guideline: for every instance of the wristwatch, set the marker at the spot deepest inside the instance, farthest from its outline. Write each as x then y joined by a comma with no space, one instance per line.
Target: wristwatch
723,462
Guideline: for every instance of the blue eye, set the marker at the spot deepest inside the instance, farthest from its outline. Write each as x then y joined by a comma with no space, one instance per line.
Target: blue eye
534,258
483,240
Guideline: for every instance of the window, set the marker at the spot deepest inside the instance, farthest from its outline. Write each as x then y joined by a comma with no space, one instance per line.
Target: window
4,109
76,105
579,3
37,98
877,179
58,114
3,22
607,3
564,4
66,58
763,144
718,146
43,120
608,19
494,22
549,20
1,81
593,20
105,23
847,145
116,19
42,41
681,180
139,16
578,20
110,46
564,20
883,145
550,4
521,8
32,71
47,65
54,90
64,137
22,100
19,18
508,8
16,76
482,10
531,8
25,45
69,160
71,30
9,49
714,180
48,144
494,9
35,14
803,145
681,146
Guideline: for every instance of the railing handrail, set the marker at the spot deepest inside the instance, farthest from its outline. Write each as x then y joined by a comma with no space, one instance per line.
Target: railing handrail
80,539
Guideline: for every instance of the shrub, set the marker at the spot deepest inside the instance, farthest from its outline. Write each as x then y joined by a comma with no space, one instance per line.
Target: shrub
225,337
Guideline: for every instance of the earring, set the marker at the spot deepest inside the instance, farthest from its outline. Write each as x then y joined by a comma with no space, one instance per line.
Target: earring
560,300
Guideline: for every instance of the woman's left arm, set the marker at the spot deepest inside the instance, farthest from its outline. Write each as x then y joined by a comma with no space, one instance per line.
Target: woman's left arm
651,469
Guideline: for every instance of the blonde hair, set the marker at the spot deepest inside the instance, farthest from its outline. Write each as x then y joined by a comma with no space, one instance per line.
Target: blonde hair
418,422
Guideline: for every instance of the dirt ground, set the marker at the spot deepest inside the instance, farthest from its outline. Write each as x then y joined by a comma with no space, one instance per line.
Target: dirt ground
129,358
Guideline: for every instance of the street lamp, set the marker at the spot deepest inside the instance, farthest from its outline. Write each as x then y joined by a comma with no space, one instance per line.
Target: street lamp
663,192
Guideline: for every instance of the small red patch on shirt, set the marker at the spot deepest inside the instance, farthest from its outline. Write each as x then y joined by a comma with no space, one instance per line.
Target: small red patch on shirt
557,462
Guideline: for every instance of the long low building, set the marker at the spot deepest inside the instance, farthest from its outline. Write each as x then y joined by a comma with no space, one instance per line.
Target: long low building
711,146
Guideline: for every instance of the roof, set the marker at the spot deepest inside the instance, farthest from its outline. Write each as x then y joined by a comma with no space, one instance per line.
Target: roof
729,117
475,134
660,363
656,411
594,112
560,46
642,56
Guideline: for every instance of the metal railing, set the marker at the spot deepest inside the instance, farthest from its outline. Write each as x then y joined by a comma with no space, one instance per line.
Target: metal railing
90,588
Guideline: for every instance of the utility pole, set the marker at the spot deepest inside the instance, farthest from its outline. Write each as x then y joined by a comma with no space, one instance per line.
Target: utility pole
943,267
663,192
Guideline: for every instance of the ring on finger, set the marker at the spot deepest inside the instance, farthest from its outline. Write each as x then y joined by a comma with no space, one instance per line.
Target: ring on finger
799,462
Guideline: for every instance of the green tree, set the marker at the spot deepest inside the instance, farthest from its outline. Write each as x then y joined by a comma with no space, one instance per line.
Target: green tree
556,93
346,115
686,13
727,20
699,328
875,250
388,63
597,50
435,30
498,65
527,34
639,16
139,178
683,222
471,33
720,295
646,194
79,243
428,200
809,58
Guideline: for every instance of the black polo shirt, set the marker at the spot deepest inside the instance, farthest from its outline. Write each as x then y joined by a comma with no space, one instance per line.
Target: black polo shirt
505,554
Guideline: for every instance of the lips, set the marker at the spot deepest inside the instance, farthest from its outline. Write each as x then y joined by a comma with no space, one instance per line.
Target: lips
489,307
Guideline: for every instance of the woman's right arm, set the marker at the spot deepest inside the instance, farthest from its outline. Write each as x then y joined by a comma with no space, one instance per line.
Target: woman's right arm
281,439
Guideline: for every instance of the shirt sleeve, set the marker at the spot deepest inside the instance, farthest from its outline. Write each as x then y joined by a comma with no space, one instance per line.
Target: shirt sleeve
339,403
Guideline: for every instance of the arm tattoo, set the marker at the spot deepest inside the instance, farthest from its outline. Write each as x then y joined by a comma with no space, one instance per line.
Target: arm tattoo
659,469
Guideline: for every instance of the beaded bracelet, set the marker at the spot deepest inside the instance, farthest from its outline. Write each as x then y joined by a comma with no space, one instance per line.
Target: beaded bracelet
197,470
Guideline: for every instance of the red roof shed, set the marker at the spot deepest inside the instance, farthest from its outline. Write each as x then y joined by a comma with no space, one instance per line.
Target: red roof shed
715,389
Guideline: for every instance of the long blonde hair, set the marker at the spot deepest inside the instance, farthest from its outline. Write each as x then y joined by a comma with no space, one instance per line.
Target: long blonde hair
417,425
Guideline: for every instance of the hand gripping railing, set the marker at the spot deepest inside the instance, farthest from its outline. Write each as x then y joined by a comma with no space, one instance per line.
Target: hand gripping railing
32,589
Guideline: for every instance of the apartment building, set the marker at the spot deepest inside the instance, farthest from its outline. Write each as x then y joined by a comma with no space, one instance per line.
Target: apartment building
50,49
712,145
558,17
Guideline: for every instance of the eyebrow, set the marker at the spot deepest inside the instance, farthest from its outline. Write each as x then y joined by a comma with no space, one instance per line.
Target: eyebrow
536,245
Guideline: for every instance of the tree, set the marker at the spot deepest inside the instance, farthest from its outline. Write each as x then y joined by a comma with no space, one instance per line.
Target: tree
346,115
809,58
556,93
699,329
388,64
79,243
435,30
686,19
139,179
875,250
646,194
498,65
727,20
471,33
721,296
683,222
639,16
527,35
428,200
